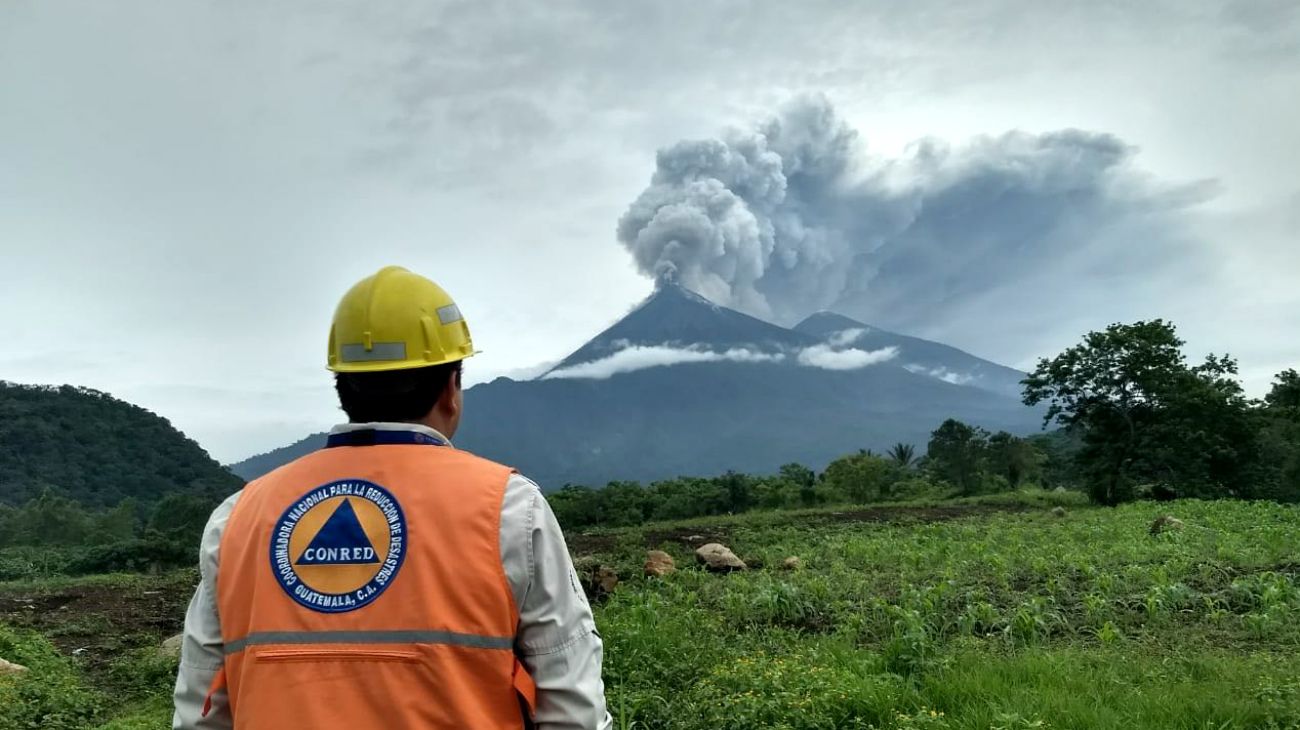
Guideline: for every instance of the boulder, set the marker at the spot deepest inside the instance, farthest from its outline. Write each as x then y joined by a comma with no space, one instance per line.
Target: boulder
1166,523
597,580
172,647
606,579
7,667
659,563
791,563
718,558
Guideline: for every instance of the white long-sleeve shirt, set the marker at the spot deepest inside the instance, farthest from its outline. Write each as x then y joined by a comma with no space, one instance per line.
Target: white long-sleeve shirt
556,638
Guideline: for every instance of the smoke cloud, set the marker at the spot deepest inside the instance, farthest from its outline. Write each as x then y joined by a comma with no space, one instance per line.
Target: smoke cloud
793,216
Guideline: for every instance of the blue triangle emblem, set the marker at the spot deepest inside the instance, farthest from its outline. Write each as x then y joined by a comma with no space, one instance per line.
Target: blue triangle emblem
341,541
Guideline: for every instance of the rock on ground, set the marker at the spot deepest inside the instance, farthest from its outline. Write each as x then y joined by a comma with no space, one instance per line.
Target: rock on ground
172,647
719,558
7,667
597,580
659,563
606,579
1166,523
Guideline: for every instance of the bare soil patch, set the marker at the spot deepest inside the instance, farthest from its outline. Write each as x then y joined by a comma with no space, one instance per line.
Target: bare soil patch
98,621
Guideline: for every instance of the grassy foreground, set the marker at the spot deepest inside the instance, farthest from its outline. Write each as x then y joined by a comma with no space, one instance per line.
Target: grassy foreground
954,615
1020,619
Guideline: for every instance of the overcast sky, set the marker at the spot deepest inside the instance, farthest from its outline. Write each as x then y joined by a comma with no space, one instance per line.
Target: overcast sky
186,188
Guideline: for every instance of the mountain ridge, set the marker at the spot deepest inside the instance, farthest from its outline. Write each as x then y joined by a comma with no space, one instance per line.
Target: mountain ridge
713,389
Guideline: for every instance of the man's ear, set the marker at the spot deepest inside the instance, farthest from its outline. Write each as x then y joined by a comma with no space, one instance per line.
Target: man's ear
448,402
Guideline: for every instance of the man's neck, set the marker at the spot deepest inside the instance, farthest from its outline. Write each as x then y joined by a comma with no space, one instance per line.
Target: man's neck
436,422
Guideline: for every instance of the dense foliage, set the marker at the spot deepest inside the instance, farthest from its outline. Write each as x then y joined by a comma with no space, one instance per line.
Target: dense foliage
54,535
96,449
1153,424
961,460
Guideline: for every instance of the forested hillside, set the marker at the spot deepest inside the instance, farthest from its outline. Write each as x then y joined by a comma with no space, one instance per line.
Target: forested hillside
96,450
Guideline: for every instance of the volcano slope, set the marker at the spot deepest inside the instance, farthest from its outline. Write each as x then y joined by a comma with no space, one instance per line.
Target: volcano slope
681,385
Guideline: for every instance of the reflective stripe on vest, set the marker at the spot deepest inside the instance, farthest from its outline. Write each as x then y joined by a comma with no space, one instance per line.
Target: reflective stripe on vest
363,588
369,637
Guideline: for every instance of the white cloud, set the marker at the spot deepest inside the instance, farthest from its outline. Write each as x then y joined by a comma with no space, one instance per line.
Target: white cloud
942,373
828,358
641,357
847,337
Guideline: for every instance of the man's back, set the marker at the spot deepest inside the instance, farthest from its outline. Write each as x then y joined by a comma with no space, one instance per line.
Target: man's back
382,579
377,585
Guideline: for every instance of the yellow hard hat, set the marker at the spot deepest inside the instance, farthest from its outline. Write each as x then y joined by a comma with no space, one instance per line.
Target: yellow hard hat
395,320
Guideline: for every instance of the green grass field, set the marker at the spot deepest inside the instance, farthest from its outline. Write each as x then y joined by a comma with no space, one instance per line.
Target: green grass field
992,614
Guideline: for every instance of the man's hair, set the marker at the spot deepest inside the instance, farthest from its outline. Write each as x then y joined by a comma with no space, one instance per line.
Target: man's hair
393,395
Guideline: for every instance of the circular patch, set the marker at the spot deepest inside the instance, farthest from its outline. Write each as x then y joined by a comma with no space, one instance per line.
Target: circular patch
339,546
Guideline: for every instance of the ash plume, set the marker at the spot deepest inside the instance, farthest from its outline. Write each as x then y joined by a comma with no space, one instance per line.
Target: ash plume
793,217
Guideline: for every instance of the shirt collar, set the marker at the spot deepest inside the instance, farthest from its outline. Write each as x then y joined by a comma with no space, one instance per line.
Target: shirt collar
390,426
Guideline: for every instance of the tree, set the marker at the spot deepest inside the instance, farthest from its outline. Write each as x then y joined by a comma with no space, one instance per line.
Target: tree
804,479
955,452
903,454
51,519
621,504
182,516
575,507
861,477
739,489
1285,394
1014,458
1060,449
1145,415
1277,473
117,524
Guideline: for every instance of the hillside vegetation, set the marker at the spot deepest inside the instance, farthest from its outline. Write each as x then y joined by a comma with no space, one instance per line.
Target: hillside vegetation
96,450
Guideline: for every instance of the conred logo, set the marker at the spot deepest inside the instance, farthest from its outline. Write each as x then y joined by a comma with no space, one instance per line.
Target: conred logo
339,546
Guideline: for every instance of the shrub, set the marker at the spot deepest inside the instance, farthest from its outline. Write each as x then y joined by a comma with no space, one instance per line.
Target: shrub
862,477
50,695
151,554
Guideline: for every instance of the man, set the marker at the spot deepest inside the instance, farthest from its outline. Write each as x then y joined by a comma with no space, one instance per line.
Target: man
390,580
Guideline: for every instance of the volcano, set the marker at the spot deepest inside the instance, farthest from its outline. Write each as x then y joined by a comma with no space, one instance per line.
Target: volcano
684,386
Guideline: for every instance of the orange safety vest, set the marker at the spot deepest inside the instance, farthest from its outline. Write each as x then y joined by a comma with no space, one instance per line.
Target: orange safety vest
361,587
